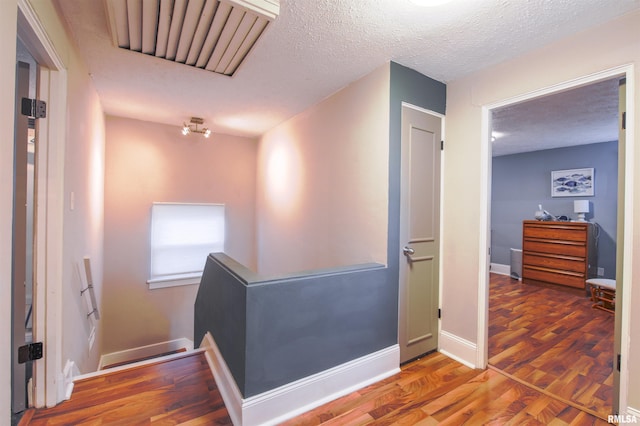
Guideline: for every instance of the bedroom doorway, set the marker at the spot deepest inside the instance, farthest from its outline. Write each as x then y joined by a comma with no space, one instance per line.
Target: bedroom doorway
541,372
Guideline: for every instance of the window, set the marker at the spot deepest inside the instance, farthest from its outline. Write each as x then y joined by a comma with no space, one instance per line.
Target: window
182,236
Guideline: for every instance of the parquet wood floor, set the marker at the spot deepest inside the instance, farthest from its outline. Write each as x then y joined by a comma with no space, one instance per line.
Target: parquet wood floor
552,338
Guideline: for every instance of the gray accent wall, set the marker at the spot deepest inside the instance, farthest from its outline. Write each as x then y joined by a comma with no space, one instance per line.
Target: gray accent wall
416,89
273,330
522,181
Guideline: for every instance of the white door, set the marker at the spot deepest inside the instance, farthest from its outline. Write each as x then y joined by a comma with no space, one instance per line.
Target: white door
419,232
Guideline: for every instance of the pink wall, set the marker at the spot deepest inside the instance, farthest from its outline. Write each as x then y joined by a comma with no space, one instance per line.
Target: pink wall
323,182
146,163
83,217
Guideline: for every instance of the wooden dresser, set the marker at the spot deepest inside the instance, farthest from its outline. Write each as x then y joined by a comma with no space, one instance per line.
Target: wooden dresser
561,253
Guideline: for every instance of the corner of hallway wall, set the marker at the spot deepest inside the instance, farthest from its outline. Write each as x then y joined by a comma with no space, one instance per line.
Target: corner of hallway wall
407,85
410,87
7,94
323,182
83,218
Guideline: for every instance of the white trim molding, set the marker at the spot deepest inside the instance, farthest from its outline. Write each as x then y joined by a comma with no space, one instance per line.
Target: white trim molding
498,268
458,348
47,327
287,401
224,379
634,412
174,281
145,352
68,373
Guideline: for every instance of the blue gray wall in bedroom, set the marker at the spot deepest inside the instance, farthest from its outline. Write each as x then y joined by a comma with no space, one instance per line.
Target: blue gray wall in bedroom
522,181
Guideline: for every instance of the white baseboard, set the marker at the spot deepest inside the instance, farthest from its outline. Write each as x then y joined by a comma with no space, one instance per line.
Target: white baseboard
458,348
145,351
68,374
123,367
292,399
498,268
224,379
634,412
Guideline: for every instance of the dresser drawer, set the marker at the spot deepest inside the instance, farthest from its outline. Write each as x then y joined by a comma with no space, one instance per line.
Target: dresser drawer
562,263
533,273
569,248
557,232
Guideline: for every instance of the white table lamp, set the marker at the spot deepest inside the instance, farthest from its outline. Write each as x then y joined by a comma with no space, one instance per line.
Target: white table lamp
581,207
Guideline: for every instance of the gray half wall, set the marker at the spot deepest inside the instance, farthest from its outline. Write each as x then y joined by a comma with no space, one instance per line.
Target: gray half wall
522,181
273,330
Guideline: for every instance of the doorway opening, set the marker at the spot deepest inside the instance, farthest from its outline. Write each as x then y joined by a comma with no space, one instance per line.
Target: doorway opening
23,229
48,209
616,266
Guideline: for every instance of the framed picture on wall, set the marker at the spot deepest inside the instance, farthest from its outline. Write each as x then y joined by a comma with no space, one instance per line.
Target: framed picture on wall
572,183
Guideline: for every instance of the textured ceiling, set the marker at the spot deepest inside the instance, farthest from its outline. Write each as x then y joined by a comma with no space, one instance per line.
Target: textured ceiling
316,47
584,115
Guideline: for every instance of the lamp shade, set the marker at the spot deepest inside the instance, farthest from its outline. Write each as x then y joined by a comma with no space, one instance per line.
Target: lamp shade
581,206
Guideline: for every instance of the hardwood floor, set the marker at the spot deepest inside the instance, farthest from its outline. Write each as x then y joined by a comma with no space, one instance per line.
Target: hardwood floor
552,338
178,391
437,390
429,391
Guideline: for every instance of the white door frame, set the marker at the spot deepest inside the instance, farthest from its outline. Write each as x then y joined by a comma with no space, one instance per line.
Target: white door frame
627,249
47,326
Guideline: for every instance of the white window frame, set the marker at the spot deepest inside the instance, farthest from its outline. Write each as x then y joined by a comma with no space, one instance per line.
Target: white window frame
186,278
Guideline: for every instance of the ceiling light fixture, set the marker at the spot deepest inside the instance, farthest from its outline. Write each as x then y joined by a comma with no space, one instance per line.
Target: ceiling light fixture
192,127
497,135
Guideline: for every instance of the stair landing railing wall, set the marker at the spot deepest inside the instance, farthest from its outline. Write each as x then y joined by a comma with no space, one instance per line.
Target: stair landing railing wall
273,330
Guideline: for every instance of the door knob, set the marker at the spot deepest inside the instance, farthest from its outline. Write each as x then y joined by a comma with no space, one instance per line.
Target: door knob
408,251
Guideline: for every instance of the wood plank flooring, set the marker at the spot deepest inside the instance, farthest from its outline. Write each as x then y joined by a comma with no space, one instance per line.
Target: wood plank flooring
429,391
570,355
552,338
437,390
178,391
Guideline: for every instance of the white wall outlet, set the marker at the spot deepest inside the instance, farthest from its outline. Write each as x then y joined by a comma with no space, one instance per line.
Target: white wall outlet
601,272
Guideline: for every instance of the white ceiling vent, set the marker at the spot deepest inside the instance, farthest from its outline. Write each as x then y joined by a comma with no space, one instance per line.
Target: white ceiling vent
215,35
